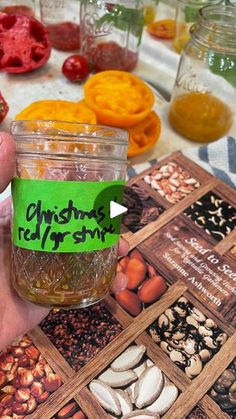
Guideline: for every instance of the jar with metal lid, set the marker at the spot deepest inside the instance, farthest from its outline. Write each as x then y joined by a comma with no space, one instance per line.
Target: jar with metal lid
62,18
111,33
65,240
22,7
203,103
187,14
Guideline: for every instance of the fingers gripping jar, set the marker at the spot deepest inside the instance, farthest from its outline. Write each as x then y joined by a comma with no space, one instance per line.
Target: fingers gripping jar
203,102
64,241
111,33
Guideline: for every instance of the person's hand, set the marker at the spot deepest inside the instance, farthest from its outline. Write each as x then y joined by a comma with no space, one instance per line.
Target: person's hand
16,315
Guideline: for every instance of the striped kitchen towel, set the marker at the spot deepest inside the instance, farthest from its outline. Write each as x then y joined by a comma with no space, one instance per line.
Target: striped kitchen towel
218,158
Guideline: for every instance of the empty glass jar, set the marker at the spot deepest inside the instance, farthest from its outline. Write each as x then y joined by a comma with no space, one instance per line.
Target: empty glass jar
203,102
111,33
186,15
64,241
23,7
61,18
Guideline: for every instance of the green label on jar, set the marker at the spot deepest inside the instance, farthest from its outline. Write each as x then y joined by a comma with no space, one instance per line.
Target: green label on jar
65,216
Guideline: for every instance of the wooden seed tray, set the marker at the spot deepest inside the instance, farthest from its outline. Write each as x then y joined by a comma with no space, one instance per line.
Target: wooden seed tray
153,244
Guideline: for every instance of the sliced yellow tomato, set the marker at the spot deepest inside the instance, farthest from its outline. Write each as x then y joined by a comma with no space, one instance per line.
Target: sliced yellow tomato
144,135
58,110
118,98
164,28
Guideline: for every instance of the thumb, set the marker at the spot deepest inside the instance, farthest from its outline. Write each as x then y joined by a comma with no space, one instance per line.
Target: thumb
7,159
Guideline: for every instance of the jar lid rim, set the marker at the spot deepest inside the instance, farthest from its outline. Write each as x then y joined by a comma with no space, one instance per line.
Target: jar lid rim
81,131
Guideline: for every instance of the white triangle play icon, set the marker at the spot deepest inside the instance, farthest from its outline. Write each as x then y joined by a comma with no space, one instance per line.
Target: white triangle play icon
116,209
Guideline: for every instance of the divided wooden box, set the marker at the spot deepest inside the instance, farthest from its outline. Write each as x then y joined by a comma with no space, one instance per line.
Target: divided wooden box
153,242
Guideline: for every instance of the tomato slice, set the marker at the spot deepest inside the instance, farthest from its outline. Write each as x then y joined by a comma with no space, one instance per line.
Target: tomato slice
58,110
144,135
164,29
24,44
118,98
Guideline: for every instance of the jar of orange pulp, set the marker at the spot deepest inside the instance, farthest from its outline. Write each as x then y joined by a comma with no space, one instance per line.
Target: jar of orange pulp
203,103
187,14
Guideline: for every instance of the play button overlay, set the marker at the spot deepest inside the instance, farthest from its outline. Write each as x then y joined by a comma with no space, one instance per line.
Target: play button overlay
109,205
120,204
117,209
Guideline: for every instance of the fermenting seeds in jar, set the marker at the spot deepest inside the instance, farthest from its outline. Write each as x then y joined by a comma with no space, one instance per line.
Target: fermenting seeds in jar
203,102
111,33
62,20
64,242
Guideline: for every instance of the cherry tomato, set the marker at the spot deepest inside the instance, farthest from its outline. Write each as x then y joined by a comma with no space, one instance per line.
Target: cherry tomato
75,68
24,43
3,108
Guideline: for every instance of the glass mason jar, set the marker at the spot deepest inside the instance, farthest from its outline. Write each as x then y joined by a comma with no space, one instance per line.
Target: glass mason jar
187,14
62,18
64,241
111,33
22,7
203,102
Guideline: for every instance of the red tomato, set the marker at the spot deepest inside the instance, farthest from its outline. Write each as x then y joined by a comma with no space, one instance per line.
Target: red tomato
75,68
4,108
24,42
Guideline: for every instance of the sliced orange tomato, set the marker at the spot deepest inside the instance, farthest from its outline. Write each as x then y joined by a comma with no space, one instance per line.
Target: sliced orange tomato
118,98
59,110
144,135
164,29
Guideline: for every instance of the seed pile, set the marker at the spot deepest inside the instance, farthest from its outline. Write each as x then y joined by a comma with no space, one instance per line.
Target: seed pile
214,215
142,208
133,385
144,285
70,411
197,413
80,334
172,182
187,336
224,390
26,379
